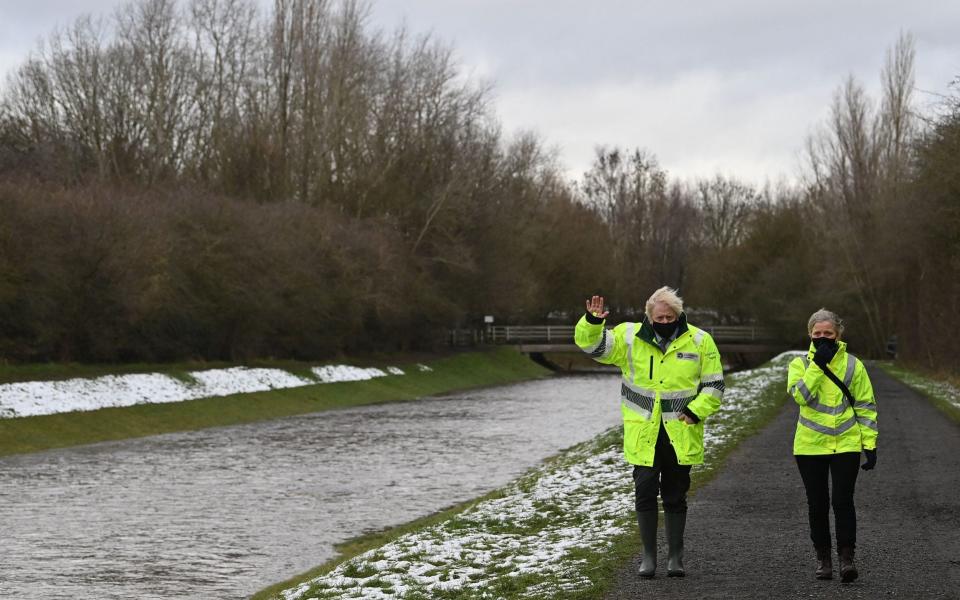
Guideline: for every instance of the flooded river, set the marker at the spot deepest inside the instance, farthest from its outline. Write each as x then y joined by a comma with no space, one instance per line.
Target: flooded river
224,512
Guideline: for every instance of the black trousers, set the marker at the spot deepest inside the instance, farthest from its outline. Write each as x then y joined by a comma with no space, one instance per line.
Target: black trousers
817,472
666,478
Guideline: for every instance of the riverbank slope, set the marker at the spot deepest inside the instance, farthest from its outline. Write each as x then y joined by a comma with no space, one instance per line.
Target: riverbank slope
460,371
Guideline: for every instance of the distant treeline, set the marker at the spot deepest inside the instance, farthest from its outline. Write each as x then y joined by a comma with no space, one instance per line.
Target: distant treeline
203,180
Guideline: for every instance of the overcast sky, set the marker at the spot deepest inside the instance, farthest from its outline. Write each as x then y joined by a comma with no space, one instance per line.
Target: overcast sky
732,87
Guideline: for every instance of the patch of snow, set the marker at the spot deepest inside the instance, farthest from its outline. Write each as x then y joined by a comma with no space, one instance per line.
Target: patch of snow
336,373
943,390
240,380
48,397
789,353
31,398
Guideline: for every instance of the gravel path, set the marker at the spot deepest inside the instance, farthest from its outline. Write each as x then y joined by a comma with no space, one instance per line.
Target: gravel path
747,531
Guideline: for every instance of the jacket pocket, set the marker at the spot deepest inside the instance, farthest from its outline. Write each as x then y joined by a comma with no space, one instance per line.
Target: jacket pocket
636,433
691,440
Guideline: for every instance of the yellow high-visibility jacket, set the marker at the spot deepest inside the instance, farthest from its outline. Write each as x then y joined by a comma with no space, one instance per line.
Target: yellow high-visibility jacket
658,385
828,423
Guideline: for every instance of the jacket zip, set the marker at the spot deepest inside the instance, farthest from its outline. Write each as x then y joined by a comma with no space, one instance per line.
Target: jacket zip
651,368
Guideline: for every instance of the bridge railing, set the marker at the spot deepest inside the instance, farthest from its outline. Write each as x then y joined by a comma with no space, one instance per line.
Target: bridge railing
517,334
740,333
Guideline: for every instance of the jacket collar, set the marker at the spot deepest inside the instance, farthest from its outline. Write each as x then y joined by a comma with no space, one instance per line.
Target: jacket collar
647,334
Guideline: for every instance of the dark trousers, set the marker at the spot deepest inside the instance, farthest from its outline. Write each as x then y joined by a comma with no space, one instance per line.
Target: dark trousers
666,478
817,472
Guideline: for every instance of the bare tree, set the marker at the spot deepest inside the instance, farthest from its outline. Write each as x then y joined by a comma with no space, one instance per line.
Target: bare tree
725,205
856,167
151,30
897,118
223,55
652,221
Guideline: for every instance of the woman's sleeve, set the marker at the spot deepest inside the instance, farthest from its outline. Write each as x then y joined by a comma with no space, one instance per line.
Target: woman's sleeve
865,407
803,380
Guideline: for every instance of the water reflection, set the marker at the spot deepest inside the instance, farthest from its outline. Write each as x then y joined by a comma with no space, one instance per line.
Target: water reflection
224,512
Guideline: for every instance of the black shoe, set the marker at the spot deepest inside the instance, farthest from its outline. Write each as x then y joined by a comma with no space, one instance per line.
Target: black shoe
848,571
824,563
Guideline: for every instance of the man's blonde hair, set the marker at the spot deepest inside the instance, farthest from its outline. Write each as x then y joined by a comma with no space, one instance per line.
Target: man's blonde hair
668,296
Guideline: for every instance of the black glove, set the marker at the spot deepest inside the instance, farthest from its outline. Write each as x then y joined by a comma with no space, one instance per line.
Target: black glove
825,353
871,460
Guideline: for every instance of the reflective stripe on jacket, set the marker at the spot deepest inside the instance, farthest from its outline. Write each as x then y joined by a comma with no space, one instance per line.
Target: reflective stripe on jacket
658,385
828,423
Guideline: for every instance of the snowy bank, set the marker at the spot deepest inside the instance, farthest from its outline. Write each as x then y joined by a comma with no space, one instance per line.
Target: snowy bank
30,398
935,388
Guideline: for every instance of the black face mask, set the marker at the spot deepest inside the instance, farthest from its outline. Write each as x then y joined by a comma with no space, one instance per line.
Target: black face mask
665,330
823,341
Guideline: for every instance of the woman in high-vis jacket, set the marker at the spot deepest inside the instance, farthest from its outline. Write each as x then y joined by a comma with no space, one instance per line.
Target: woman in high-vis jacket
672,381
835,425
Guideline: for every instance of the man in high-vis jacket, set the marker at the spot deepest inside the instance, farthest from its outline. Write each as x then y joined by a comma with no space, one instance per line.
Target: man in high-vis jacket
672,381
837,421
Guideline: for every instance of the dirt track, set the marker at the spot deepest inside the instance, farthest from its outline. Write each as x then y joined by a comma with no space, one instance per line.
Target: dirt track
747,531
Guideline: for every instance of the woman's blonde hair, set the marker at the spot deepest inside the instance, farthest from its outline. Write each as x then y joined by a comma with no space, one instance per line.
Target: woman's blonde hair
668,296
825,315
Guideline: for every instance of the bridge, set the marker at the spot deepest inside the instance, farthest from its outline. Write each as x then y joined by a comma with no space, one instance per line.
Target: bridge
739,344
559,338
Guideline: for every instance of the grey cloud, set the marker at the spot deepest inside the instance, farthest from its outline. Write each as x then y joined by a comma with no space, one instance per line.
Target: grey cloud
547,58
24,24
551,41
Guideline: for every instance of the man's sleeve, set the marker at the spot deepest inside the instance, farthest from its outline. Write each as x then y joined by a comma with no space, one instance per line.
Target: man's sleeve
605,346
711,388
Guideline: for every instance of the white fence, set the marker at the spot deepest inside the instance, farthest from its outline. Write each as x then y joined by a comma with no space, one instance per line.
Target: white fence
560,334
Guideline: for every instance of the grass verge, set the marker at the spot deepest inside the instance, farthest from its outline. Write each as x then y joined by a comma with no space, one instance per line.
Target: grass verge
942,390
460,371
562,531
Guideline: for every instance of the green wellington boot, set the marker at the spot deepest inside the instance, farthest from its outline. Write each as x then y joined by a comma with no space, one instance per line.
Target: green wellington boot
675,523
648,536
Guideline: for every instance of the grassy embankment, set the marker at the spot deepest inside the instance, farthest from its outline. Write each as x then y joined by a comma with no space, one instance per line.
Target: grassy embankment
456,372
942,389
494,547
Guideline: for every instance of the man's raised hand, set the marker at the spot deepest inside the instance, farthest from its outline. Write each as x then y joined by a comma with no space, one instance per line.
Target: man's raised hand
595,307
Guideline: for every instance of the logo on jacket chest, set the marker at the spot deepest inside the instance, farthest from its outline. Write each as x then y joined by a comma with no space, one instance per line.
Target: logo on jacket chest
688,356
